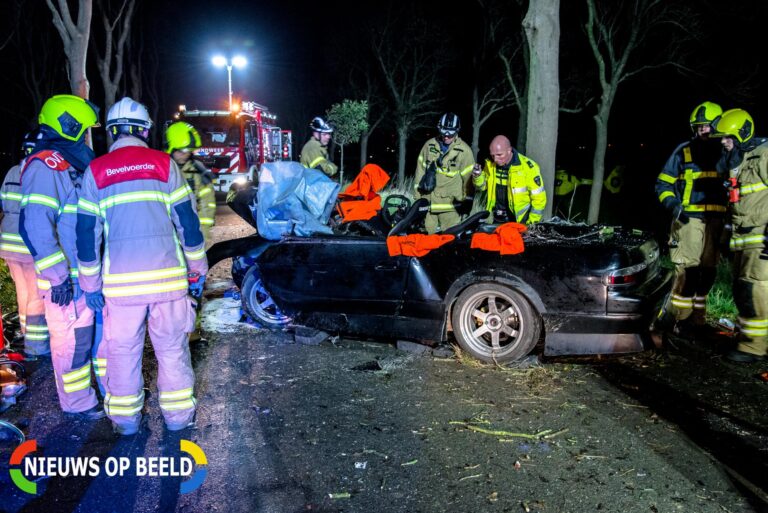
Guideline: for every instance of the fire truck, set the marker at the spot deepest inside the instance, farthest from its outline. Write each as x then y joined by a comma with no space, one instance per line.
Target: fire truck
235,144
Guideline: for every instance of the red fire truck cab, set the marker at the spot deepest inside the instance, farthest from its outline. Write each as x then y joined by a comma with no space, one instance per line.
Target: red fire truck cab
235,144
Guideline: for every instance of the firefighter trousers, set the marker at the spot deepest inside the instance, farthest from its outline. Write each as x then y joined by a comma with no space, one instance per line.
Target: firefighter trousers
695,256
73,351
441,220
750,293
125,328
31,308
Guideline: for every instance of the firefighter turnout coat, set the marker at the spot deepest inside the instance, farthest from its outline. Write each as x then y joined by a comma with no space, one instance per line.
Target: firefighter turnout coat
525,188
453,169
51,188
749,217
315,156
22,267
199,180
137,202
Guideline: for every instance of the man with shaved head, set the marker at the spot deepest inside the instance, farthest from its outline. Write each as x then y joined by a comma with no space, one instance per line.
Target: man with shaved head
514,184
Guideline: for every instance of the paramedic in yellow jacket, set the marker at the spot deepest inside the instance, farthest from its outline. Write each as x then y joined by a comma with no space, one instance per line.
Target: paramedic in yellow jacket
181,139
314,154
451,161
514,184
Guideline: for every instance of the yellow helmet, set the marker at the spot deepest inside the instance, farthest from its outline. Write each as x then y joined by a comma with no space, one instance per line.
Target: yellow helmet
70,116
735,123
705,113
181,136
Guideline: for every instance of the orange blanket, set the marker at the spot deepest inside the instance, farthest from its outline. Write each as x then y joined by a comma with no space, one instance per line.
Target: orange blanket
360,201
505,239
416,244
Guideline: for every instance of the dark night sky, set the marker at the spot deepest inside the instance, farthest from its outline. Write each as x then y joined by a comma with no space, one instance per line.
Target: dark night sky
290,45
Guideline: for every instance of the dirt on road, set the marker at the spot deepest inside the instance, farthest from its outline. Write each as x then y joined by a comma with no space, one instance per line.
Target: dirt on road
360,426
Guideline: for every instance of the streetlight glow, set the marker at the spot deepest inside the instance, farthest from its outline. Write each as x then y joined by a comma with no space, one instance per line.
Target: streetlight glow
239,62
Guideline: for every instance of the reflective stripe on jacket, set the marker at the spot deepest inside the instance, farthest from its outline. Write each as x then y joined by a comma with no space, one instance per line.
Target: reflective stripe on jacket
525,188
315,156
452,176
12,246
50,188
197,178
690,178
137,201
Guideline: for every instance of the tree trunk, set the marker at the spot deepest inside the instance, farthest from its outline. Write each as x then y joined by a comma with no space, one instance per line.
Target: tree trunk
402,139
364,149
542,29
522,124
475,121
341,166
598,161
78,80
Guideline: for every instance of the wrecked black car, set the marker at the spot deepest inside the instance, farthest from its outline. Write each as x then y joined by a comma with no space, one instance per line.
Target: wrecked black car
579,289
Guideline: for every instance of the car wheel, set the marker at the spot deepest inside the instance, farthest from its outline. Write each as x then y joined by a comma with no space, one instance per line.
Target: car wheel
495,323
259,304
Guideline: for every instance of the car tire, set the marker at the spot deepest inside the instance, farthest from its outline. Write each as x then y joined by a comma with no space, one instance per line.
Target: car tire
495,323
259,304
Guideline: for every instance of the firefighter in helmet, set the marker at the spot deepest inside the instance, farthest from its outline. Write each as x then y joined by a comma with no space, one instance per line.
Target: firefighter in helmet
442,173
314,154
181,139
141,255
749,217
690,187
51,184
21,265
514,184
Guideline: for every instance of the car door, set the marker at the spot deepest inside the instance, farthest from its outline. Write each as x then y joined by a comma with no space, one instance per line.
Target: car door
334,273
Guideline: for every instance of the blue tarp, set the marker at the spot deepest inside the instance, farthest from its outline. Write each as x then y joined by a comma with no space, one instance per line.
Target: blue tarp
293,200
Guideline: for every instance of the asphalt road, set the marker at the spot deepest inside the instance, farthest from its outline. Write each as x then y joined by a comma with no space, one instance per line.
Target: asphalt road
359,426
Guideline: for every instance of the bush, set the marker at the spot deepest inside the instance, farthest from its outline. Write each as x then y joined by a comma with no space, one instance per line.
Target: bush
720,299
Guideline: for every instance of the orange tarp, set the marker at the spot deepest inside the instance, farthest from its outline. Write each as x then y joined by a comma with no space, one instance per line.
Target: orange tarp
505,239
416,244
360,201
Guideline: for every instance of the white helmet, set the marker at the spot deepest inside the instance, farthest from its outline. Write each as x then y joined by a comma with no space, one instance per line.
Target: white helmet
128,116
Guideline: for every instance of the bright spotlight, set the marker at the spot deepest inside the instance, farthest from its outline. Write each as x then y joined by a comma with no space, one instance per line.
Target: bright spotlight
219,61
239,61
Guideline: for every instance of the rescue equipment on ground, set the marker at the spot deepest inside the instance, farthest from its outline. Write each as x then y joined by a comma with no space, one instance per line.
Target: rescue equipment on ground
416,244
360,201
506,239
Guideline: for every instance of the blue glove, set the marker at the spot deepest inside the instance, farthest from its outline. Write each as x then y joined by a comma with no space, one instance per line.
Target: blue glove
62,293
196,288
94,300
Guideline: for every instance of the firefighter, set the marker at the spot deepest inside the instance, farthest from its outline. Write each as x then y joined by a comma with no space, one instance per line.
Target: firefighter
136,201
21,265
514,184
51,181
314,154
442,174
691,188
749,219
181,138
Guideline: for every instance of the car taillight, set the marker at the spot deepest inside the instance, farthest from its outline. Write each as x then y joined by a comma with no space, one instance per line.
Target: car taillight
625,275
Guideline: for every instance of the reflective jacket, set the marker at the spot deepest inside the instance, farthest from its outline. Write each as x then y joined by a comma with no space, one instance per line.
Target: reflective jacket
12,246
749,215
199,180
50,188
525,188
315,156
454,167
690,178
138,202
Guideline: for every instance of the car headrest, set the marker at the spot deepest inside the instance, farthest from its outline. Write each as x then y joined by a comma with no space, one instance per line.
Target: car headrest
417,212
467,224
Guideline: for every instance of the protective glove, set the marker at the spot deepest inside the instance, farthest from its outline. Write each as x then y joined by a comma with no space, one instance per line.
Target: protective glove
477,170
683,218
94,300
62,293
196,287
